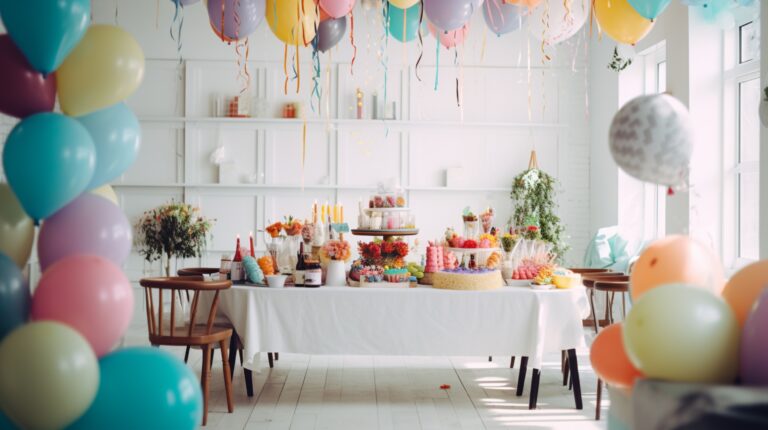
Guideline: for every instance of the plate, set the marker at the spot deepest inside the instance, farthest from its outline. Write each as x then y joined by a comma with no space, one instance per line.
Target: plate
518,282
473,250
542,287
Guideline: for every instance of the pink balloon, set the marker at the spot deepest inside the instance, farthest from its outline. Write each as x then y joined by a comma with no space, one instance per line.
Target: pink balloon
89,294
337,8
449,39
25,90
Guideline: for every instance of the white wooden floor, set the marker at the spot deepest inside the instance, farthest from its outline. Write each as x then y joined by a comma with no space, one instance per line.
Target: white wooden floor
382,392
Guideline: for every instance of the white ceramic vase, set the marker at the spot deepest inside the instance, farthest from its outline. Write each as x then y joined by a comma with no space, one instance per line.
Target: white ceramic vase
336,275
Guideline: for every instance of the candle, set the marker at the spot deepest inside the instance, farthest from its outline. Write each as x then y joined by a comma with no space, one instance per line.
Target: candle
250,238
314,211
341,219
322,215
335,214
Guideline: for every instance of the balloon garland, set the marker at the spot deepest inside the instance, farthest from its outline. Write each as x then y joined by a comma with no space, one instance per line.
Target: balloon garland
57,345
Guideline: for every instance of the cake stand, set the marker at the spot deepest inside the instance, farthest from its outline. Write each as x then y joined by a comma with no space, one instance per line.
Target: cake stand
386,234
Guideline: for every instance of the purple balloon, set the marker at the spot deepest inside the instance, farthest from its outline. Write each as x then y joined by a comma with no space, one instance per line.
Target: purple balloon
330,32
250,13
754,344
25,90
89,225
503,17
450,15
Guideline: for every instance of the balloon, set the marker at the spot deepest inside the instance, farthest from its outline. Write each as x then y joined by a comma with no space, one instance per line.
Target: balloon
6,423
676,259
241,17
25,91
185,2
711,10
745,286
503,18
337,8
529,3
14,296
164,390
403,4
330,32
651,139
754,344
105,68
17,230
449,39
683,333
562,23
620,21
49,375
285,23
404,23
116,133
609,359
649,8
49,160
106,192
47,32
88,225
449,15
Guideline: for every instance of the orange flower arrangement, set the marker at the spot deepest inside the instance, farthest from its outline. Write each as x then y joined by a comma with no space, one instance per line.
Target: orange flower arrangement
336,250
274,229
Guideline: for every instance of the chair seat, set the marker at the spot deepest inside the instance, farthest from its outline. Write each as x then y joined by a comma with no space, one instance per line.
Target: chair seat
612,286
199,337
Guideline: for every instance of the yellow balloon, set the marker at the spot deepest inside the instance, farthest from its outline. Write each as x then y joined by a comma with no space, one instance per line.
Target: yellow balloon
403,4
17,230
105,68
107,192
619,20
284,17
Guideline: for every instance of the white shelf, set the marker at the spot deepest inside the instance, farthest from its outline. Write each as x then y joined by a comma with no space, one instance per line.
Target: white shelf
370,188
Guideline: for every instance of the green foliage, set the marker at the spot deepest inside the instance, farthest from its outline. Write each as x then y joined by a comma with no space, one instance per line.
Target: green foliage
618,63
533,192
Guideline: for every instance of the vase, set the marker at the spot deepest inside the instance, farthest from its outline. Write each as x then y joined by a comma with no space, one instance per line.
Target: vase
336,275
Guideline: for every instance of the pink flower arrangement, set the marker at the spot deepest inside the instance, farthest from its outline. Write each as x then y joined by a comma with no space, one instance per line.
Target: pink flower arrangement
336,250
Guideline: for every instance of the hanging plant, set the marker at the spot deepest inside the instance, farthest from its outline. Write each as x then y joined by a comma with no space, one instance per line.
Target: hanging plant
619,63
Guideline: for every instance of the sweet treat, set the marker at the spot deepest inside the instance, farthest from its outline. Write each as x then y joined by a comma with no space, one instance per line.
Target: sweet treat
372,274
385,212
266,265
416,271
396,275
471,226
307,232
434,261
564,278
529,269
487,240
467,279
486,218
493,261
544,277
450,261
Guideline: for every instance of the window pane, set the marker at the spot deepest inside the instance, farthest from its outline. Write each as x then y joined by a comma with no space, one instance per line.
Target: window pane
747,42
661,77
749,244
749,125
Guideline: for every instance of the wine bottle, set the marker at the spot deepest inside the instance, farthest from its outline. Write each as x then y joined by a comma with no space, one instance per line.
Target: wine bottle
301,267
237,264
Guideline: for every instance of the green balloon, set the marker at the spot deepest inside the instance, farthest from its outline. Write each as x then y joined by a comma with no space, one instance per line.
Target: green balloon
17,230
49,375
682,333
404,23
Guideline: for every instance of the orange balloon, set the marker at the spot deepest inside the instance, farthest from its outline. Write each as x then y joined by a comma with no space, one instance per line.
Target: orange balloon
530,3
610,360
676,259
744,288
324,15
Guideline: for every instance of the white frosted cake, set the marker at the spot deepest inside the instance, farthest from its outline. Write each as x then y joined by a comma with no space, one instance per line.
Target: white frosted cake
467,279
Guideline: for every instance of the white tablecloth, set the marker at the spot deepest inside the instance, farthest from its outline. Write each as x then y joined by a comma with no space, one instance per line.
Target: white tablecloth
418,321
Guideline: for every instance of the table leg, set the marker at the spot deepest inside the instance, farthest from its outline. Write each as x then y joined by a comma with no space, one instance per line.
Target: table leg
566,370
490,358
232,355
534,395
521,376
186,354
277,356
512,362
574,364
271,359
599,397
248,381
592,305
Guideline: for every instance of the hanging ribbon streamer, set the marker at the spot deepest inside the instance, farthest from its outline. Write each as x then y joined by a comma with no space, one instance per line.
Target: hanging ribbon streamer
285,68
530,75
421,43
297,62
461,82
437,61
178,22
117,11
456,66
303,147
352,41
242,51
385,48
316,70
544,33
298,68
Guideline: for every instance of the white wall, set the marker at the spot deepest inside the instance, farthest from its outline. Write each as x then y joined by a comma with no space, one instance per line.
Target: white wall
764,138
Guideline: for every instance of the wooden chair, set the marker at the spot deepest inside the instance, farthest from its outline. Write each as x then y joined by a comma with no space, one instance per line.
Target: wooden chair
611,286
587,270
589,282
197,271
164,332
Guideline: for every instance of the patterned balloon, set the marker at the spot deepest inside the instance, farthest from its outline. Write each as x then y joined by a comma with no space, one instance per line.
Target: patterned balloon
558,20
651,138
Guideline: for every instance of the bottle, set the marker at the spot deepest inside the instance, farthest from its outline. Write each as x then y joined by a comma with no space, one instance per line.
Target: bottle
237,264
313,276
301,267
472,262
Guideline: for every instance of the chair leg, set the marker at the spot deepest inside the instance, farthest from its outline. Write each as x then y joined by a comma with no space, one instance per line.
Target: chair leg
271,359
566,371
227,375
248,382
490,358
205,381
186,354
534,395
623,306
594,313
574,364
512,362
521,376
277,356
599,397
212,351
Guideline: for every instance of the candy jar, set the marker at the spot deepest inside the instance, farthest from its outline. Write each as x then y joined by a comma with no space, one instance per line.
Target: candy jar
486,218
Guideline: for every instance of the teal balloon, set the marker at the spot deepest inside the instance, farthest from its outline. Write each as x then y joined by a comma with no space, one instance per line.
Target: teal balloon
411,29
46,31
144,388
712,9
49,160
14,297
116,135
6,423
649,8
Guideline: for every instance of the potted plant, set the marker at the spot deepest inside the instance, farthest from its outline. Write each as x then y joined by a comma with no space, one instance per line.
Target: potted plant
172,230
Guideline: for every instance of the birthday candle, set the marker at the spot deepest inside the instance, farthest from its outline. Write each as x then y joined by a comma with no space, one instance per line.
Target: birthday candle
335,214
250,238
341,217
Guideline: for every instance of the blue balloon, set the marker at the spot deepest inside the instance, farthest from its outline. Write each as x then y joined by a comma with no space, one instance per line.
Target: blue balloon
46,31
49,160
6,423
649,8
144,388
502,17
116,134
14,297
412,16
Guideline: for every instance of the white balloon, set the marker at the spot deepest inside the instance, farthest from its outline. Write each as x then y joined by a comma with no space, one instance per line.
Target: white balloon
563,19
651,139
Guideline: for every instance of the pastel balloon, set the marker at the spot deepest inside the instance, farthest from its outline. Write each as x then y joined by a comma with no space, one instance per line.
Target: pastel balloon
337,8
530,4
330,32
682,333
649,8
185,2
25,90
116,134
106,191
744,288
503,18
89,294
88,225
754,344
449,39
562,22
14,296
403,4
619,20
47,32
240,17
49,160
154,382
651,139
676,259
105,68
610,360
17,230
449,15
292,21
49,375
6,423
404,23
